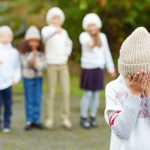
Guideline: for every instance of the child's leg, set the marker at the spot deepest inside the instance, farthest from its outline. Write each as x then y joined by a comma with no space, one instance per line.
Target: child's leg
1,102
7,96
29,94
94,104
85,102
65,89
37,99
52,81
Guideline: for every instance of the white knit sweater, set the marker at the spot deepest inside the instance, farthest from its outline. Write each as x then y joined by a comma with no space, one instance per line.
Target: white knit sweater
97,57
58,45
128,116
10,70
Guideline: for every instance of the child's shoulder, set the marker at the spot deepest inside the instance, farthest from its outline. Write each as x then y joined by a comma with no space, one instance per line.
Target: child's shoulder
112,85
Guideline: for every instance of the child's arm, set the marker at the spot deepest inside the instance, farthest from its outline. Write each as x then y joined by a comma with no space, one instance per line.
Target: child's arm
17,69
68,45
122,121
109,61
48,32
40,62
85,40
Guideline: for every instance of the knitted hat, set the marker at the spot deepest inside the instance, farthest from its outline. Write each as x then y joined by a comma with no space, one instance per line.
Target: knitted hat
32,33
55,11
135,53
6,30
91,18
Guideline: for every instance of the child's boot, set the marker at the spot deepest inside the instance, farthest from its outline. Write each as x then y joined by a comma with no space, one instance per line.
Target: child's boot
84,123
93,123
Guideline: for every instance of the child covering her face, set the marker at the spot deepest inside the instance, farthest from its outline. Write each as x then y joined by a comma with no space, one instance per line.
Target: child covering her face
128,97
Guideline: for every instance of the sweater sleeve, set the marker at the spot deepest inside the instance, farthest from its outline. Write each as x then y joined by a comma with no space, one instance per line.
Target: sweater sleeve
148,105
122,121
68,45
47,32
40,62
108,57
17,68
84,38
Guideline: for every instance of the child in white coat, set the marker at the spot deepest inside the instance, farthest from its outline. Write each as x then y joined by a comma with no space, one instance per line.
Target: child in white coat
58,48
95,56
10,74
128,97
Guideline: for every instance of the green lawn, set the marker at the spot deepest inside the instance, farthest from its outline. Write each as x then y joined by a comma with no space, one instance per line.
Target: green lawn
59,139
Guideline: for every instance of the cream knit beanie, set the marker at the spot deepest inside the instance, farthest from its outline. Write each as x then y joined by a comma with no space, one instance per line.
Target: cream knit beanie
91,18
6,30
32,33
55,11
135,53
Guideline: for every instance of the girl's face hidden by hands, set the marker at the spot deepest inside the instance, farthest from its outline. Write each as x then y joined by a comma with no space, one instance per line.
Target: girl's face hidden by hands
34,44
93,29
56,21
5,39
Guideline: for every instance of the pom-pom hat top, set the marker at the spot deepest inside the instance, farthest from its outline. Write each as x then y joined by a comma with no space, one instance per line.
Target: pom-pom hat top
135,53
91,18
6,31
32,33
55,11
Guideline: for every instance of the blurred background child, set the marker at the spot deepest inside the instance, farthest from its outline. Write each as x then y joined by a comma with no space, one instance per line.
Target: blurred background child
33,65
10,74
58,49
95,55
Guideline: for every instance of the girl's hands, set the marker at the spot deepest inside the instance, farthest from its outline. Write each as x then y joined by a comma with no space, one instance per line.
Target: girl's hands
147,90
138,83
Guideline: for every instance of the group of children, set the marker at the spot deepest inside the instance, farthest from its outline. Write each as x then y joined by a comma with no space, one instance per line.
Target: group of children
51,50
127,98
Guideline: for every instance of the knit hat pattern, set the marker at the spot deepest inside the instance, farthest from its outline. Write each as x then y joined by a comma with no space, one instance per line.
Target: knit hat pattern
135,53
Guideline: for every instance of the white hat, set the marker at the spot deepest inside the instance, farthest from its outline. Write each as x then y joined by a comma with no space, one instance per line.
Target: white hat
55,11
91,18
6,30
32,33
135,53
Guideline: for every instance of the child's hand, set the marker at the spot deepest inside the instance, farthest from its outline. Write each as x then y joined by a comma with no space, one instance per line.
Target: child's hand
137,84
32,64
1,62
14,83
91,44
112,74
59,30
147,90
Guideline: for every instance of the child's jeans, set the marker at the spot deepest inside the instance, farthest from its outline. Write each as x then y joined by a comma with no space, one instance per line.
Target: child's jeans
33,98
6,101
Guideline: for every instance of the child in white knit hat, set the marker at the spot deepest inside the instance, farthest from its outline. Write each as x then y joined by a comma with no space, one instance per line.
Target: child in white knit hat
128,97
95,55
33,65
10,74
58,49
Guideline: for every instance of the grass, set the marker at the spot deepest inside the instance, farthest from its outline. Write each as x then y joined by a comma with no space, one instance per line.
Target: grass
59,139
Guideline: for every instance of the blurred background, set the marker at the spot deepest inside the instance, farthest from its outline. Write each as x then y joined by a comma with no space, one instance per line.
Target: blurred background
119,19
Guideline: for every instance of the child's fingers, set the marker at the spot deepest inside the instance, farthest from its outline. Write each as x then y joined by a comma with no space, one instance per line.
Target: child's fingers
144,79
135,77
141,74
